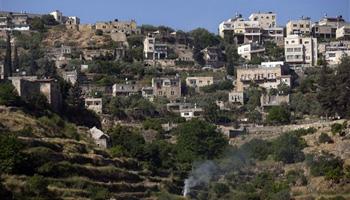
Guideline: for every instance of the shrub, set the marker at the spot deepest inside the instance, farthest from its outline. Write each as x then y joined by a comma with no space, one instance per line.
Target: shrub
221,189
8,95
98,193
98,32
10,154
324,138
37,185
257,149
336,128
288,148
278,115
326,165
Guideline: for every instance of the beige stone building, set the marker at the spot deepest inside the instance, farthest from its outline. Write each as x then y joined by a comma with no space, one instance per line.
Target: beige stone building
266,20
265,77
236,97
198,82
94,104
299,27
274,34
126,89
167,87
343,32
301,50
273,100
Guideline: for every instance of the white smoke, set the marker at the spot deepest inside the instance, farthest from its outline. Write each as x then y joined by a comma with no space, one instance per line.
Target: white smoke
201,175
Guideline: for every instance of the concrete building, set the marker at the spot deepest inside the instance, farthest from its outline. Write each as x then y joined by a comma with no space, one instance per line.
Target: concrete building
299,27
343,32
14,21
58,16
186,110
167,87
29,86
127,27
334,57
100,138
154,49
94,104
334,51
125,89
147,93
198,82
272,64
248,51
72,20
266,20
265,77
212,57
274,34
301,50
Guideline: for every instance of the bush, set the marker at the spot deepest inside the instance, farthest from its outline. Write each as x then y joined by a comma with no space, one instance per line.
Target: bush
221,189
99,32
324,138
326,165
288,148
278,115
37,185
98,193
8,95
336,128
257,149
10,154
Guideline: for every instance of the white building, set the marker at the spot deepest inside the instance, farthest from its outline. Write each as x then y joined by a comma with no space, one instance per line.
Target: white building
272,64
300,50
334,57
99,137
247,51
198,81
153,50
343,32
94,104
58,16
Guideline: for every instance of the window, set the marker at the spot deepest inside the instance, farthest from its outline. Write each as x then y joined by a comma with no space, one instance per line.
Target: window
331,55
172,93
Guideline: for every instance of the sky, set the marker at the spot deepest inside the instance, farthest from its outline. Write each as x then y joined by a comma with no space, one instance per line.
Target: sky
181,14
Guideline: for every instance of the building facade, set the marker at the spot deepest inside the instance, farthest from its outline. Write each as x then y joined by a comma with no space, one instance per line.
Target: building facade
248,51
343,32
301,50
116,26
266,20
198,82
299,27
94,104
153,49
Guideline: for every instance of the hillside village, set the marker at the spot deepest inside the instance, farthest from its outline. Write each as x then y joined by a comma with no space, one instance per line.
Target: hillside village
119,110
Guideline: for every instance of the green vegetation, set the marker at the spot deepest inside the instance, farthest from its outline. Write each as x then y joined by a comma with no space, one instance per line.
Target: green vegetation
326,165
278,115
324,138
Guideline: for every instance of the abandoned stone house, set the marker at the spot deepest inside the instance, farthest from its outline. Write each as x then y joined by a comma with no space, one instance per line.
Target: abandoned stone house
273,100
167,87
94,104
100,138
29,86
125,89
127,27
199,81
70,76
212,57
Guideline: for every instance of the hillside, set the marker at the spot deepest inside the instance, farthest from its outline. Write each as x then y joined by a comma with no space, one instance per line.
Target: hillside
73,168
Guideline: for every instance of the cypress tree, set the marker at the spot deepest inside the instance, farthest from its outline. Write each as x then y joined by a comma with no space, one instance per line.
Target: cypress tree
15,63
8,58
326,91
343,87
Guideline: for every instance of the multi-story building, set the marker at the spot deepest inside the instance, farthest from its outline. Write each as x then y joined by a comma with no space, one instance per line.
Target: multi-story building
94,104
326,27
274,34
167,87
153,49
300,50
343,32
333,52
116,26
299,27
248,51
72,20
14,21
198,82
266,20
58,16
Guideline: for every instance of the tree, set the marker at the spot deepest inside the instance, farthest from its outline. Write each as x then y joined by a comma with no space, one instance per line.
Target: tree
342,80
15,63
278,115
326,91
10,154
324,138
8,56
37,24
8,95
197,140
74,98
232,59
49,20
288,148
37,185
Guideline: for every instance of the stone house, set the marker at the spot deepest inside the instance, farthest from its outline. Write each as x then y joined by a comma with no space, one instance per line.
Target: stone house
70,76
147,93
127,27
28,86
198,82
167,87
299,27
186,110
100,138
267,100
94,104
125,89
236,97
